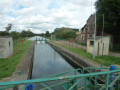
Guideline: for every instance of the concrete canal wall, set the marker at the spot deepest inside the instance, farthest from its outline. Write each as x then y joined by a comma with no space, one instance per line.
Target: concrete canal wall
24,68
75,58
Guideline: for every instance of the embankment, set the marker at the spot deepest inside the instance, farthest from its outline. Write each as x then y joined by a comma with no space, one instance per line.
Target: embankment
24,68
75,58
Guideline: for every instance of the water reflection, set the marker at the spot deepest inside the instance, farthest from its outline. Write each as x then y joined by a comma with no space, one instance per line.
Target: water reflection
48,62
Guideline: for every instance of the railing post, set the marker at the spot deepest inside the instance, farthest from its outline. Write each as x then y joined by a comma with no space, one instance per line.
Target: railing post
15,88
90,78
95,81
19,73
117,85
107,81
101,65
75,73
85,82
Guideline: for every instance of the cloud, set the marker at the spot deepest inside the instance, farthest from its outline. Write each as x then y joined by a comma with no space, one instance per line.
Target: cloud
41,15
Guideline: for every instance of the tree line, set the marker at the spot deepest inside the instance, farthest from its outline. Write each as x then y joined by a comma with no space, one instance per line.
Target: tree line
25,33
65,33
110,9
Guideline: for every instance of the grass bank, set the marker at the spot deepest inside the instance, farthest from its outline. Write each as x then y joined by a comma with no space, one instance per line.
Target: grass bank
8,65
105,60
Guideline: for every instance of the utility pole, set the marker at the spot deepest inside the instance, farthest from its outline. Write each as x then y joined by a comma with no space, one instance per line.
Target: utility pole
94,38
103,26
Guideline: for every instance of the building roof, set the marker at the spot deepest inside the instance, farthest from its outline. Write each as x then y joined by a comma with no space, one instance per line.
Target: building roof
83,27
98,37
86,21
92,15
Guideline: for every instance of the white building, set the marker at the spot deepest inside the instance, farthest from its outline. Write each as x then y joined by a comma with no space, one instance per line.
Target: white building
101,45
6,47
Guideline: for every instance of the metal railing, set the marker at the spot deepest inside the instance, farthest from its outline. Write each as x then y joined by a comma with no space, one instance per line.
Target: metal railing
96,78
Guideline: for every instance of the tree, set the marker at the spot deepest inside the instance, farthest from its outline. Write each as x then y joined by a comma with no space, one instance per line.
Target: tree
8,28
3,33
23,34
65,33
111,11
29,33
47,34
42,35
15,34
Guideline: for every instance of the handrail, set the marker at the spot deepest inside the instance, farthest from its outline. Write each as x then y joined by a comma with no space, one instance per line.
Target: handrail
63,73
55,78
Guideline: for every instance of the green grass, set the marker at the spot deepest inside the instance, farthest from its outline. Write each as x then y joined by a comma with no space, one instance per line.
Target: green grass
8,65
83,44
105,60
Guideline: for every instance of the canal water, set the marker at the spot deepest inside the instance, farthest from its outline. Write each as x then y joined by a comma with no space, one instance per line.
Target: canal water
47,61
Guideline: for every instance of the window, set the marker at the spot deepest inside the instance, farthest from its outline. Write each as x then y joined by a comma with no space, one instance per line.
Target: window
91,42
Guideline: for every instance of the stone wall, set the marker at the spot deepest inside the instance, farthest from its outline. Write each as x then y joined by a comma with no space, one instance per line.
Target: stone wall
6,47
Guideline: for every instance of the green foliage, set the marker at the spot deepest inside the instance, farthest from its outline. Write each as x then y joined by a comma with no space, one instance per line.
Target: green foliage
111,11
42,35
47,34
105,60
27,33
8,65
84,44
65,33
8,28
116,48
15,34
108,60
4,33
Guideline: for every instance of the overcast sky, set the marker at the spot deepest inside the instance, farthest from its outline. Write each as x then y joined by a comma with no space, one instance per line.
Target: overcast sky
42,15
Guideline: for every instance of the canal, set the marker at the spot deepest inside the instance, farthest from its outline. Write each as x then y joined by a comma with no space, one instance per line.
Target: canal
47,61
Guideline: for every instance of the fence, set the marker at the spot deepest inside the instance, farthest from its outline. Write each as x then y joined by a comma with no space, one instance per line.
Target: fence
91,80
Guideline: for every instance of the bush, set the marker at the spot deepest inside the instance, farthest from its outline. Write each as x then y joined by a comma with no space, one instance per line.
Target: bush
116,48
